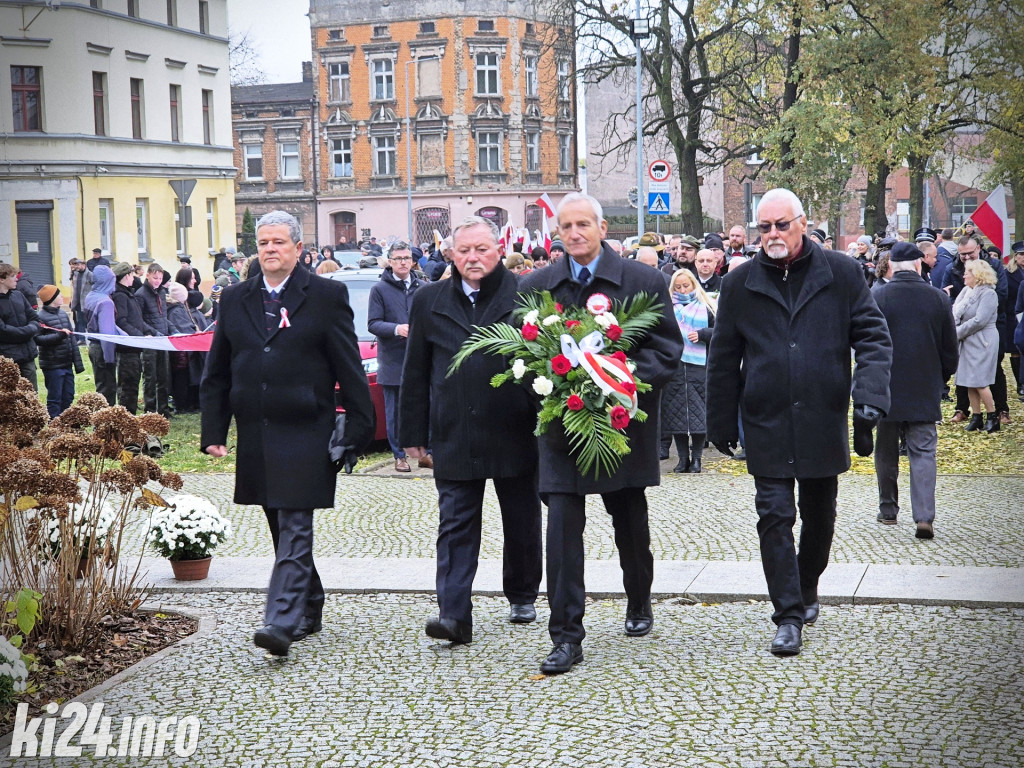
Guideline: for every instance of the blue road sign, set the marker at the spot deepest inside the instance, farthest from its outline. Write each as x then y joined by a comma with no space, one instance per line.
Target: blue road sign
658,203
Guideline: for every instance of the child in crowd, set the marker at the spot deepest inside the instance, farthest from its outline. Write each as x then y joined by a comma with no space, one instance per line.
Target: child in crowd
58,352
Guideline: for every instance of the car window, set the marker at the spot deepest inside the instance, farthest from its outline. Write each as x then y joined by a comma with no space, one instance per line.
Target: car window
359,299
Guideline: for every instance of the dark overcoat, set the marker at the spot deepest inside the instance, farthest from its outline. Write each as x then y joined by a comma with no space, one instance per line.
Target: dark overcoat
924,349
280,389
795,353
388,306
474,430
656,356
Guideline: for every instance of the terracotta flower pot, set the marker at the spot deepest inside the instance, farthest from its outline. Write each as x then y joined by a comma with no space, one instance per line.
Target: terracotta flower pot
191,570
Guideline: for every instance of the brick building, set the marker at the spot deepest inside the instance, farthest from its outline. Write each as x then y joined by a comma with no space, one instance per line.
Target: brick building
273,129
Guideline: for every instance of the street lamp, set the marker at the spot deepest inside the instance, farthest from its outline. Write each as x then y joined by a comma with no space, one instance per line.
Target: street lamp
639,29
408,141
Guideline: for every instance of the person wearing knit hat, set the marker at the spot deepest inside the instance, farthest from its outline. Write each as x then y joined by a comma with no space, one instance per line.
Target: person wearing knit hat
557,250
818,235
120,269
59,357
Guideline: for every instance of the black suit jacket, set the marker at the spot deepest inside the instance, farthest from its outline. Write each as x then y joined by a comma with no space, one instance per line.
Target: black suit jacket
280,390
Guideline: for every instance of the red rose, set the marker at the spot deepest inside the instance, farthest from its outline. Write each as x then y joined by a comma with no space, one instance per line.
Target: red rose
620,417
630,387
574,403
570,324
619,355
560,364
558,308
613,333
530,332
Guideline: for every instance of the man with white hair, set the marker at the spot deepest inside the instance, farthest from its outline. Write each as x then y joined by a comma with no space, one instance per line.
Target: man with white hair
789,317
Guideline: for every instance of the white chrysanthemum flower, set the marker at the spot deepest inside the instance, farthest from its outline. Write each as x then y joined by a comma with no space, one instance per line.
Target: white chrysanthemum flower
543,386
603,320
550,320
518,368
531,317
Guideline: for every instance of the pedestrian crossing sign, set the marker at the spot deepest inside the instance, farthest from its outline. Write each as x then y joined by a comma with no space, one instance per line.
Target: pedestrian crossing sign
657,203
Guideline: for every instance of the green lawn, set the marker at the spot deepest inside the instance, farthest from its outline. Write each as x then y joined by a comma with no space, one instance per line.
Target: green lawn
183,454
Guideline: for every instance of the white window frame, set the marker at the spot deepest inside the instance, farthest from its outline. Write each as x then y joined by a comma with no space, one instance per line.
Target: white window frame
755,200
384,149
142,224
383,80
533,151
284,156
488,147
339,89
250,152
487,72
530,69
106,222
211,220
564,84
565,153
341,146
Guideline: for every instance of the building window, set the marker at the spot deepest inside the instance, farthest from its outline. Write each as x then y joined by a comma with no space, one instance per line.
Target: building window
754,158
383,79
903,215
962,209
381,30
428,78
204,17
336,34
254,162
488,152
290,160
863,207
133,8
755,200
533,150
485,25
530,65
172,13
529,28
95,4
565,153
175,112
26,94
564,84
207,117
142,224
487,74
136,91
106,222
431,152
341,158
99,103
338,81
211,220
384,159
427,28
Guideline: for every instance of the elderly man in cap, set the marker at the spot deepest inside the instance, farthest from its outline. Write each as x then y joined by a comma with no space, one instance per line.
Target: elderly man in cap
924,356
933,261
97,259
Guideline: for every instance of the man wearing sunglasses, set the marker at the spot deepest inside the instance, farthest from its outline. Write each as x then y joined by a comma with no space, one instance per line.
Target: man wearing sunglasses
789,317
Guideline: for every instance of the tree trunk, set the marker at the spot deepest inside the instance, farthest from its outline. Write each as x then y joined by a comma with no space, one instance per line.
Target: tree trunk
875,219
918,170
690,206
1017,190
790,91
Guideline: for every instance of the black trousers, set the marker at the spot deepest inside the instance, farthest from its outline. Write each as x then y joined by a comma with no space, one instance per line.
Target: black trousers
567,592
129,371
156,381
793,577
458,541
295,590
103,373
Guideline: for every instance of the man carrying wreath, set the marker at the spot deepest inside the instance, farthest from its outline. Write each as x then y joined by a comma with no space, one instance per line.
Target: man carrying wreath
593,269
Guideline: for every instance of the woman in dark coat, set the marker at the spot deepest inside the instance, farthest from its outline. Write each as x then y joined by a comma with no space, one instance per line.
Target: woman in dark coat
683,412
1014,280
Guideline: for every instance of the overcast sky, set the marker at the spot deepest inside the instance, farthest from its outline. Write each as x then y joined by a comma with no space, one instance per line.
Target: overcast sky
279,30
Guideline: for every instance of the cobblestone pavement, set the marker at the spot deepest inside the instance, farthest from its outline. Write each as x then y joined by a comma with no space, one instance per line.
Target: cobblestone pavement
891,686
693,517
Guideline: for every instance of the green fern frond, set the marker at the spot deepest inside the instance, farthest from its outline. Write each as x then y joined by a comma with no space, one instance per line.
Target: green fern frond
497,339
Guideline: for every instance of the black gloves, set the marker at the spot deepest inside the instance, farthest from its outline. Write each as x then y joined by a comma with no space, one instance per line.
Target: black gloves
865,417
725,447
343,456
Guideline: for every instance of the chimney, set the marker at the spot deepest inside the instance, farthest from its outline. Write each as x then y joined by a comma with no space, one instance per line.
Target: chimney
307,71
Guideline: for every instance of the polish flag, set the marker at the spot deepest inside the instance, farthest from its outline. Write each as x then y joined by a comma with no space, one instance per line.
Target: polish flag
992,220
545,203
546,234
186,342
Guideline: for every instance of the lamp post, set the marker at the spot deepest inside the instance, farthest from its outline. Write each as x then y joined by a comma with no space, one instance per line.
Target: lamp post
640,30
408,142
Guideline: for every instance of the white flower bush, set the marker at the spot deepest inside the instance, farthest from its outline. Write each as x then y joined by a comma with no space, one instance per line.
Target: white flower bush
189,529
13,672
82,518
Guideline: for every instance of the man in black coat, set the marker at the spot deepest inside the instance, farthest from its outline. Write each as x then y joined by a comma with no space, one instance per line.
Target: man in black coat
592,267
924,356
476,431
789,316
19,325
281,344
156,366
387,318
128,317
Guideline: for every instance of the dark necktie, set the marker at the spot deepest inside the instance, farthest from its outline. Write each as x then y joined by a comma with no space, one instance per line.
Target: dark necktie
584,276
472,297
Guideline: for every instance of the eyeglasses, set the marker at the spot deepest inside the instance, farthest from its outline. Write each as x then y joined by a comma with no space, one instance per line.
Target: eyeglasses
401,258
781,226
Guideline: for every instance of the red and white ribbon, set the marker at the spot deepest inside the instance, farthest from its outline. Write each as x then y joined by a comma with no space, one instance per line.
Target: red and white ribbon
285,322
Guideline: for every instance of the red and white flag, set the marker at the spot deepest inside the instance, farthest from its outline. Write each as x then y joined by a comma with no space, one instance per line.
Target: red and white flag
544,202
992,220
546,234
185,342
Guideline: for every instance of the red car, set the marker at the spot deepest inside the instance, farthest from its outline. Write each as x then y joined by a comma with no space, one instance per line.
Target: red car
359,282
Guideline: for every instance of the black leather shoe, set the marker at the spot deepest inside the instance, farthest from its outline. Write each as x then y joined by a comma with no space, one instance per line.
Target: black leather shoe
274,640
309,626
682,466
787,640
450,629
811,612
694,468
522,613
976,423
562,658
886,519
639,622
